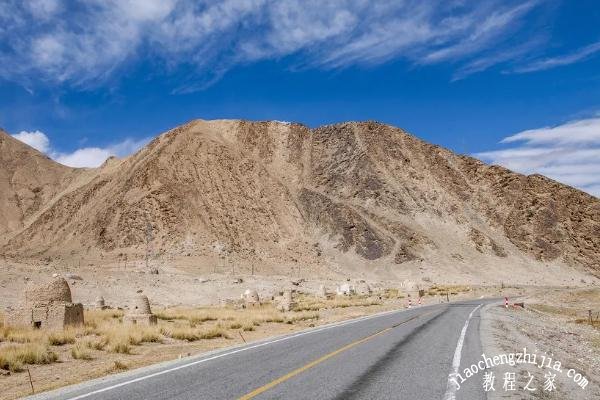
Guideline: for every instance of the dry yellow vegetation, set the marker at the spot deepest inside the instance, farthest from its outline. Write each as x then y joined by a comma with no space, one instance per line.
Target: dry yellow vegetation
310,303
442,290
105,331
14,356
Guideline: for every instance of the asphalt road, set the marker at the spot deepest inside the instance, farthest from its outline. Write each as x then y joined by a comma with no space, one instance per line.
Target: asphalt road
404,354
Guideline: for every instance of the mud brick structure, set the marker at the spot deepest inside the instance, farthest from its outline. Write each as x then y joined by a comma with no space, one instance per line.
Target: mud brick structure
100,304
47,306
286,302
141,313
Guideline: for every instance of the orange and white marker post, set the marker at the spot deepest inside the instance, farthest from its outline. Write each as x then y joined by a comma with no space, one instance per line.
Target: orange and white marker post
506,302
419,301
409,303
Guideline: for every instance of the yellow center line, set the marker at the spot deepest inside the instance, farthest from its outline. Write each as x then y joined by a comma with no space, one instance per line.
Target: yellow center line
311,364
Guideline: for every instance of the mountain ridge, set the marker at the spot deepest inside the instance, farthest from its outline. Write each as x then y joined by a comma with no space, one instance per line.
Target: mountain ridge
355,194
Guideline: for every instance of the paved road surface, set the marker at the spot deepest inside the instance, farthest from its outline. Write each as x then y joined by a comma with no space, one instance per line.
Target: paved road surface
404,354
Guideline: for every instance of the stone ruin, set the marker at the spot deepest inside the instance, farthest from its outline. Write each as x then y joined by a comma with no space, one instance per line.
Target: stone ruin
48,305
250,297
140,313
322,292
286,302
408,285
363,288
345,289
100,304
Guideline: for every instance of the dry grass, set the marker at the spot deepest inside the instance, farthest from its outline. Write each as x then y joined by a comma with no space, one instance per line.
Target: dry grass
194,316
248,327
118,338
345,302
80,352
14,356
549,309
22,335
60,338
234,317
310,303
393,294
442,290
98,343
294,317
192,334
105,331
117,366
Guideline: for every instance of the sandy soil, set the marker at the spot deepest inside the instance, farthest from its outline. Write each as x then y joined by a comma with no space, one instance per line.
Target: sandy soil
550,325
185,282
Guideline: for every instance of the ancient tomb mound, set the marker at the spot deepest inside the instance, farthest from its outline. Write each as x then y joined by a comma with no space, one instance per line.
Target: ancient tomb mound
47,305
140,312
251,298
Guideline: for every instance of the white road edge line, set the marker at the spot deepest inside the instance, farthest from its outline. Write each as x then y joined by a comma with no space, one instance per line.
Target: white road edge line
166,371
451,386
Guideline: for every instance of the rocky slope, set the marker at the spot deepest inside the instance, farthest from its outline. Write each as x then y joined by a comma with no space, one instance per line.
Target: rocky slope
352,195
28,181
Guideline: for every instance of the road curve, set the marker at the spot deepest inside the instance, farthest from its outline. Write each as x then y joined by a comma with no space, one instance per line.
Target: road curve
403,354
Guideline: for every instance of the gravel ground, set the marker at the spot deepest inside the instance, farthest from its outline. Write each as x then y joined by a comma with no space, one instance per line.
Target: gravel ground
547,327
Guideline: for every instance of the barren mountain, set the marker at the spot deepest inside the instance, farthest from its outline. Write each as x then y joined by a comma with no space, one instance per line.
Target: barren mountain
345,196
28,181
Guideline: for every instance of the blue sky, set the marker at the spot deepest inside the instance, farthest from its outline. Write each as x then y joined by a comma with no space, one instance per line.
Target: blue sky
514,83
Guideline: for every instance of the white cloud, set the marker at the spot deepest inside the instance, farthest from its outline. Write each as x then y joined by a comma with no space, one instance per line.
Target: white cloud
568,153
86,157
582,132
36,139
562,60
89,41
482,32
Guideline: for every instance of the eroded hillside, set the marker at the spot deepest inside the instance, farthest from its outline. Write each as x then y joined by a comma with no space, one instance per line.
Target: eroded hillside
352,193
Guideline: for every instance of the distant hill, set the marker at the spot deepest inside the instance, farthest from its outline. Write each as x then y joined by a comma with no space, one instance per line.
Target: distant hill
350,194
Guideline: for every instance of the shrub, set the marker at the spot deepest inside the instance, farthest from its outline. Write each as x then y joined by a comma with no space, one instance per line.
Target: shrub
119,347
80,352
302,316
96,344
191,334
117,366
59,338
12,357
23,335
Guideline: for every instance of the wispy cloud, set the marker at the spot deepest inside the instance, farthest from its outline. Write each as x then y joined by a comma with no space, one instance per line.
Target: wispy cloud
568,153
83,43
566,59
89,157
